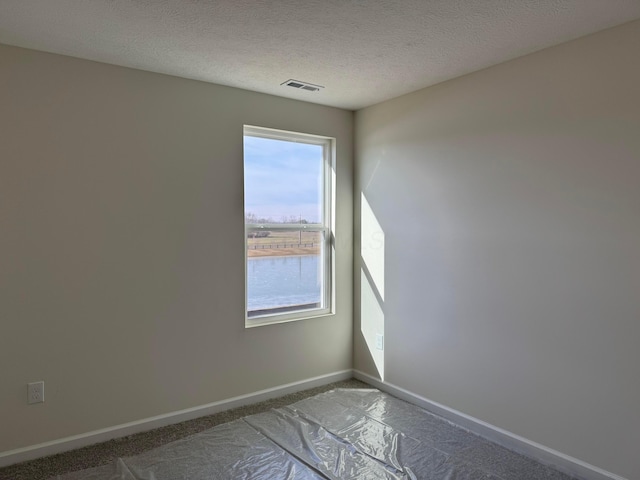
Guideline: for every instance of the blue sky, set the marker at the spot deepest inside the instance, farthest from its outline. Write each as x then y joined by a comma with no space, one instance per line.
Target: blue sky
282,179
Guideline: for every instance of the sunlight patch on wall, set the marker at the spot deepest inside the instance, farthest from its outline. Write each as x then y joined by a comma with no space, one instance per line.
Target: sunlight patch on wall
372,246
371,322
372,285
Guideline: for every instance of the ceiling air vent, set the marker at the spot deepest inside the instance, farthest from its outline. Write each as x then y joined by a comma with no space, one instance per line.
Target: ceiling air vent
310,87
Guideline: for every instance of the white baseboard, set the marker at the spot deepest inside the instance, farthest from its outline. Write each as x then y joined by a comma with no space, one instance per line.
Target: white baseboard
564,463
77,441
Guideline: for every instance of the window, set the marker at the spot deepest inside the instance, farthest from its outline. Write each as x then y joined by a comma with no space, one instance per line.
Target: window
288,207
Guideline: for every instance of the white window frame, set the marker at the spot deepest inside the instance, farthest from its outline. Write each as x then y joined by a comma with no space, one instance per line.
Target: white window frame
326,227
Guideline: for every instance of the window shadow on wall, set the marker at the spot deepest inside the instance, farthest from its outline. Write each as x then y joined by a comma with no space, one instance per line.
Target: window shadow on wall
372,247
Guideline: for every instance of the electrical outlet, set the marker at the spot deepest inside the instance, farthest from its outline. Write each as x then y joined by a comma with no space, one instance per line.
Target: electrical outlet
35,392
379,341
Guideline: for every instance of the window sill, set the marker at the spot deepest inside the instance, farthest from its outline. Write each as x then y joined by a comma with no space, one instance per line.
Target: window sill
274,319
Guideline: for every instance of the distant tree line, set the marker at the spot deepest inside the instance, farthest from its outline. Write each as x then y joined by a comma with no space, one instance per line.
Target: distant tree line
292,219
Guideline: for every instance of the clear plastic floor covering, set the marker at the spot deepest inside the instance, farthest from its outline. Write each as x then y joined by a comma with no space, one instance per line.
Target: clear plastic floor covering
341,434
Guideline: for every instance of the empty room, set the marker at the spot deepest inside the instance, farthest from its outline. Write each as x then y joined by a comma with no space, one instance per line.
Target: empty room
385,239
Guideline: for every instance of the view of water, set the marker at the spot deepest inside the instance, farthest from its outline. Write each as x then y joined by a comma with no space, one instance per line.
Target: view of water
283,281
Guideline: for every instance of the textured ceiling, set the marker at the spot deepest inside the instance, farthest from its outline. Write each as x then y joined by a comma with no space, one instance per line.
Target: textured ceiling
362,51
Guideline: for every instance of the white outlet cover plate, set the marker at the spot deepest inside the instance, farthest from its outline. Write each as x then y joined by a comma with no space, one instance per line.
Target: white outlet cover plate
35,392
380,341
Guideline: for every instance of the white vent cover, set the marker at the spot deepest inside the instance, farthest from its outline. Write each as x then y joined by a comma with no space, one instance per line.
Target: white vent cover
310,87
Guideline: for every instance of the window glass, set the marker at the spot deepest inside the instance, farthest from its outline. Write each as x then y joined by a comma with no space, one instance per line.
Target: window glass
287,210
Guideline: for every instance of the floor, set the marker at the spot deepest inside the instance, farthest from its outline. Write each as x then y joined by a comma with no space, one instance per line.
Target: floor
342,431
106,452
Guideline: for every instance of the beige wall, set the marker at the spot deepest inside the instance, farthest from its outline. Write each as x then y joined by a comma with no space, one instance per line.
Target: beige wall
121,247
509,203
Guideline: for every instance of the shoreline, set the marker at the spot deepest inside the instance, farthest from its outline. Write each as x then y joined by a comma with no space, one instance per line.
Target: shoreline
282,252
